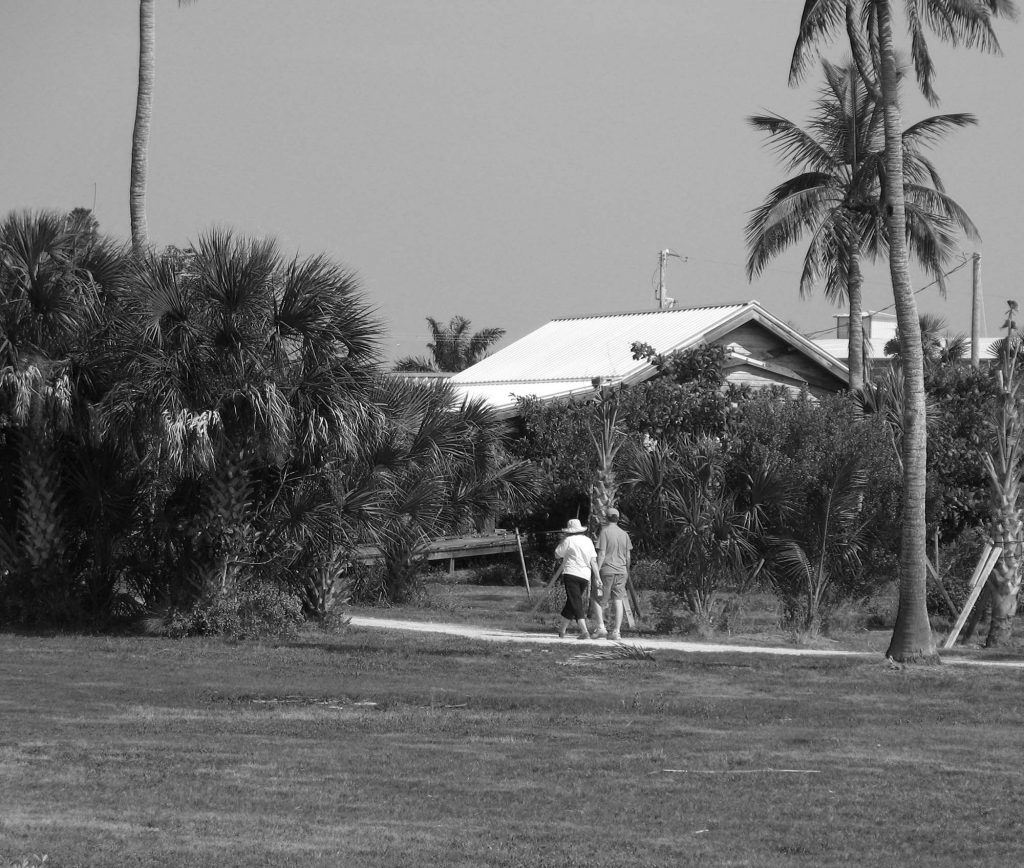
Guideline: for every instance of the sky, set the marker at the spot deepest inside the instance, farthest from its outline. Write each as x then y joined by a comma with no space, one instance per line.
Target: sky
510,162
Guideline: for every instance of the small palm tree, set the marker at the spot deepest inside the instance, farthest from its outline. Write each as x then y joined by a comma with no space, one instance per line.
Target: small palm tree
1003,460
823,553
938,346
426,466
836,197
453,348
710,529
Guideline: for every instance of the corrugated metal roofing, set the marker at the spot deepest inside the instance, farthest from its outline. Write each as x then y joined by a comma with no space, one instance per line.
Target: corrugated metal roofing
594,346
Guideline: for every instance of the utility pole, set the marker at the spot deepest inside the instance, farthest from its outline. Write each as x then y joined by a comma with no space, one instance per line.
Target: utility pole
976,310
663,300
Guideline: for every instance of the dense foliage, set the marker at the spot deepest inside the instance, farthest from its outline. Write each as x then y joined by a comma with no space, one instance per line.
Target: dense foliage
205,436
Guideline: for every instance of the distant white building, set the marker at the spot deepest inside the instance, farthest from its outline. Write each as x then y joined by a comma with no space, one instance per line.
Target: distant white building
879,329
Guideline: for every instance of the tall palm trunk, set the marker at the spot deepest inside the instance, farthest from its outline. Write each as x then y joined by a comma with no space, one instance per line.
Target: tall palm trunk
140,135
912,639
855,353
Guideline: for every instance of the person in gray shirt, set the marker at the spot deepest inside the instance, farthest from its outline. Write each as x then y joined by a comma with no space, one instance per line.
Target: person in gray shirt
613,555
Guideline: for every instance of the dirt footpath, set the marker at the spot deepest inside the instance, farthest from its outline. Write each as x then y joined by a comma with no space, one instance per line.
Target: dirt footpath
486,634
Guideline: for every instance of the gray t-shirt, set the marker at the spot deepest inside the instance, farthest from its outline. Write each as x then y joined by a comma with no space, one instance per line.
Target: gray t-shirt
613,548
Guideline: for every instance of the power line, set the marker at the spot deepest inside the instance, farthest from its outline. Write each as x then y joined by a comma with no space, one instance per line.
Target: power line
953,270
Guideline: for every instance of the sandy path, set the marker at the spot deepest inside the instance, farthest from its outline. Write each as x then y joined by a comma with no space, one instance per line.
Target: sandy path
488,634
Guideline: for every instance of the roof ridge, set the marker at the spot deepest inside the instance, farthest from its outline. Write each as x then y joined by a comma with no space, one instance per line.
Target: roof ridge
658,311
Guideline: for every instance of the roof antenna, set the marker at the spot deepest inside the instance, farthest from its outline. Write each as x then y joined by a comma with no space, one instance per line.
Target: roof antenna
663,300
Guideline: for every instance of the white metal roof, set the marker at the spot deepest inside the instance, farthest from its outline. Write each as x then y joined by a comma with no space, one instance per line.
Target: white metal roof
563,357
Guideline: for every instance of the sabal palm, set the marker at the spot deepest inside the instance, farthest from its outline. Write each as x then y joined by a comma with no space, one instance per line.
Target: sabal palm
869,26
236,358
453,347
836,197
937,345
143,116
56,275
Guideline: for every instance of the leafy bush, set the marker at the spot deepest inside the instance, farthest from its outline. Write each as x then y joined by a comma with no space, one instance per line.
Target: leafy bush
368,584
648,574
259,609
825,449
500,574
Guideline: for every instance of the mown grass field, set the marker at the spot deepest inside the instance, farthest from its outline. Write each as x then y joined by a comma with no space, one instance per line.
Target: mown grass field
370,748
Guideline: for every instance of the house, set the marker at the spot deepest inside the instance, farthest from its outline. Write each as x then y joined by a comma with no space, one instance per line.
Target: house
574,356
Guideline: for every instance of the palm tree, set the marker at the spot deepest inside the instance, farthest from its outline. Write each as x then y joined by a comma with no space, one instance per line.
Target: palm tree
427,465
143,114
1002,461
836,197
243,372
869,27
56,275
707,527
453,347
937,345
809,566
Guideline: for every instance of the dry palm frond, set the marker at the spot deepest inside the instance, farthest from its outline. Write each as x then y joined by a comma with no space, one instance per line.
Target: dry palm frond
616,651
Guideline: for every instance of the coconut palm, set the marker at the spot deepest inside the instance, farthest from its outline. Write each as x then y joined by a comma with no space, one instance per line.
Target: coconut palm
453,347
836,197
143,114
869,26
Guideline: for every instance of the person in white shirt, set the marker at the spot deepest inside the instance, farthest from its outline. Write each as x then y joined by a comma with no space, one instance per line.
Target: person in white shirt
578,569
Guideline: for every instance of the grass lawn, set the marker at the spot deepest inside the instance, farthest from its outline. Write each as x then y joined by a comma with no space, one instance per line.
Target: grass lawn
365,748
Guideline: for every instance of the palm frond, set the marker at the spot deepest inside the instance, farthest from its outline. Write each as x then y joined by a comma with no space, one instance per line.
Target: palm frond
615,652
819,20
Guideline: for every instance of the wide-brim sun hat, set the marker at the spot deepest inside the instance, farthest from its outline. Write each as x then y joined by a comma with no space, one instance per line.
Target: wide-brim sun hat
574,526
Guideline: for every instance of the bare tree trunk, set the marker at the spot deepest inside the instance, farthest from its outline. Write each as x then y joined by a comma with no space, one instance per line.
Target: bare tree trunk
140,135
912,639
855,354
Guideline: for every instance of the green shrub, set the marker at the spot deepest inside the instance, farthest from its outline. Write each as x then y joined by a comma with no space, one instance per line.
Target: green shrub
259,609
368,584
506,573
649,574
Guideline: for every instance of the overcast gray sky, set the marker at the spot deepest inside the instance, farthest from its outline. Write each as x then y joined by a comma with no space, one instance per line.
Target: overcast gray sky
508,161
